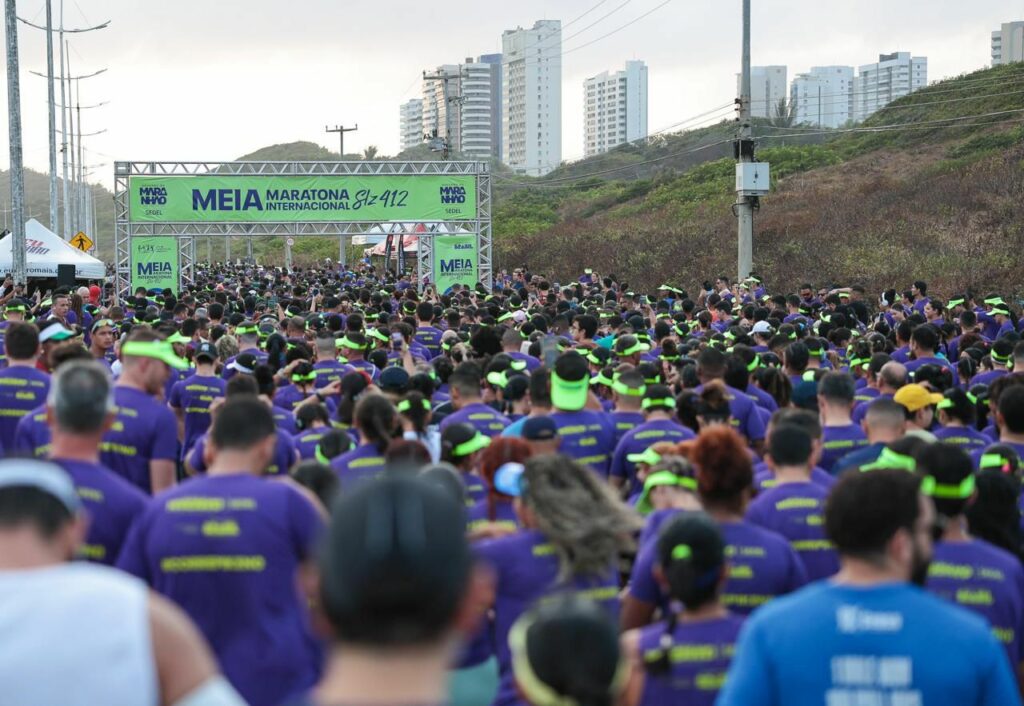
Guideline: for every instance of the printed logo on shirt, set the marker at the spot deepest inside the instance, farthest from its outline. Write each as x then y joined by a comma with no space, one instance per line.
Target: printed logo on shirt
851,619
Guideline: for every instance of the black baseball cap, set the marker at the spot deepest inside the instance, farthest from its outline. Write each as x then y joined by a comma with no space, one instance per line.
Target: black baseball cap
395,563
540,429
206,350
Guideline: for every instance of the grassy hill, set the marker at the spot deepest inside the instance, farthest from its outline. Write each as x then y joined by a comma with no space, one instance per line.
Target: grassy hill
922,194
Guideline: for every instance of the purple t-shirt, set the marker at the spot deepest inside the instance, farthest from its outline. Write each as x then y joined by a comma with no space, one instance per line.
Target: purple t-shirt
112,505
145,430
261,359
913,365
839,441
22,389
588,437
430,338
226,549
761,566
531,362
861,410
290,397
194,396
764,478
328,371
694,681
987,580
359,464
624,422
504,514
795,511
479,416
526,568
966,438
638,440
284,455
366,367
285,420
988,377
32,435
307,441
743,410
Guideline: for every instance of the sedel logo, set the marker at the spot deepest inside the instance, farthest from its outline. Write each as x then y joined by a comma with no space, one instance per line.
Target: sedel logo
153,195
453,194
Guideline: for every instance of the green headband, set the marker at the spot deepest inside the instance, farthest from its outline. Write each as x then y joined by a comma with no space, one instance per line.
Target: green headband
406,405
309,377
320,456
376,333
889,459
627,391
176,337
990,461
157,350
754,364
664,402
662,479
1000,358
934,489
246,330
649,456
346,342
602,379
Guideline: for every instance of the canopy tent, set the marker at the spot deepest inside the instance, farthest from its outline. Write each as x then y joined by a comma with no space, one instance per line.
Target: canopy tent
379,250
44,250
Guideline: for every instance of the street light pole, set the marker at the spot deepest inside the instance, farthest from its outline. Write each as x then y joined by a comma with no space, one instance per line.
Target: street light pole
341,130
52,119
745,153
17,173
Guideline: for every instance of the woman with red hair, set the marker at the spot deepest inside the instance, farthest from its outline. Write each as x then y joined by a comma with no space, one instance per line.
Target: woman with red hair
495,513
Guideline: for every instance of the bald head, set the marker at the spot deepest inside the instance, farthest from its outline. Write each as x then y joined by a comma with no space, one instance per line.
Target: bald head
892,377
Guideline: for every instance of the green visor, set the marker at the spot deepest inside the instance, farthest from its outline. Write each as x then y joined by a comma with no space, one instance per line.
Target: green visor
627,391
994,461
498,379
158,350
570,395
346,342
378,334
890,460
473,445
406,405
666,402
250,330
662,478
176,337
961,491
649,456
602,379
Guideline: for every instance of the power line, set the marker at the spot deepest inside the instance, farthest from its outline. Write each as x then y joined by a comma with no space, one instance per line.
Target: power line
898,128
893,126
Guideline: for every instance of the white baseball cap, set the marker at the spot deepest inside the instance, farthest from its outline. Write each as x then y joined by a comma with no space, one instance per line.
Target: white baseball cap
762,327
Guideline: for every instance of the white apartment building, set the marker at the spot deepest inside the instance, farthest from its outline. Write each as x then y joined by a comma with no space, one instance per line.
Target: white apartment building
768,86
894,76
441,103
531,98
614,108
1008,43
411,123
462,104
823,97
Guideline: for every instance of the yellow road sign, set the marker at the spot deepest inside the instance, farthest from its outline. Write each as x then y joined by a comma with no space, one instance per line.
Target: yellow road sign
82,241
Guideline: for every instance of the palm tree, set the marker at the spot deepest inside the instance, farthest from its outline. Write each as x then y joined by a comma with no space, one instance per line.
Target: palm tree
370,153
783,114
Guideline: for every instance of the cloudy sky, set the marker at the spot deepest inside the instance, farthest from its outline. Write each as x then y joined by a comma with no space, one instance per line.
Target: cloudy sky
215,79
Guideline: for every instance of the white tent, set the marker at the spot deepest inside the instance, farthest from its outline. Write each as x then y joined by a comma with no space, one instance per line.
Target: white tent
44,250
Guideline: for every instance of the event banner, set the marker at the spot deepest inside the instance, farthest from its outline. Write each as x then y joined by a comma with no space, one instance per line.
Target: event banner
300,199
455,261
154,263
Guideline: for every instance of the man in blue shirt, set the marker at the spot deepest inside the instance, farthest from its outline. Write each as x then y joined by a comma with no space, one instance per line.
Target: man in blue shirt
871,635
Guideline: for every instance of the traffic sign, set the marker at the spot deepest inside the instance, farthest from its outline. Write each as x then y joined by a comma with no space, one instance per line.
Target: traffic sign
82,241
290,241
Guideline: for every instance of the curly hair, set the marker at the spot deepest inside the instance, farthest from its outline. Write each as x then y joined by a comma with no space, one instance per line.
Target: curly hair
580,515
501,451
724,467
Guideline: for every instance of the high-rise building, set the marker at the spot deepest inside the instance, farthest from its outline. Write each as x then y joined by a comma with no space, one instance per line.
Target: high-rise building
767,87
823,97
531,98
411,123
1008,43
894,76
461,104
614,108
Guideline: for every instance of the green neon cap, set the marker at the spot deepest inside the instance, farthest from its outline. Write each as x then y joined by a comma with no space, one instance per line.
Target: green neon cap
934,489
889,459
158,350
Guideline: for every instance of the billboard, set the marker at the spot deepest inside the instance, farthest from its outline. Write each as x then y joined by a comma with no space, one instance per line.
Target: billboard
154,263
456,261
246,198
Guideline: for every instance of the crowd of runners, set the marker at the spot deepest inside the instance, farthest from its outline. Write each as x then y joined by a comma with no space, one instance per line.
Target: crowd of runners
338,488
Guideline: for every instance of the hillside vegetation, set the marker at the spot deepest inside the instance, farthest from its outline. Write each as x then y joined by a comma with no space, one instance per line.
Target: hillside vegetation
939,199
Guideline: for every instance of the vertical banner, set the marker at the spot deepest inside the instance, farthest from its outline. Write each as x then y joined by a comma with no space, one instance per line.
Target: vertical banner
154,263
400,267
389,244
456,261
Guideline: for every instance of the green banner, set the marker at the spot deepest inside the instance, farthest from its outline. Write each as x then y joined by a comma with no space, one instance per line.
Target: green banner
301,199
154,263
455,261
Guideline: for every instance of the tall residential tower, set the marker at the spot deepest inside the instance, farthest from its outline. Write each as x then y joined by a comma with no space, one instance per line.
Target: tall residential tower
531,98
614,108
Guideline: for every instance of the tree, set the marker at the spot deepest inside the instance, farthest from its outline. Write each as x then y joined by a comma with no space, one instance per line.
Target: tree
783,114
370,152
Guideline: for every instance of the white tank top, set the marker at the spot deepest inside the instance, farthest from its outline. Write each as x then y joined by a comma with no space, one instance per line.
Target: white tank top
75,635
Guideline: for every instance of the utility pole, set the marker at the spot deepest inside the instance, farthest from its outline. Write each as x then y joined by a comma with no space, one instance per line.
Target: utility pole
52,117
66,225
17,173
341,130
745,153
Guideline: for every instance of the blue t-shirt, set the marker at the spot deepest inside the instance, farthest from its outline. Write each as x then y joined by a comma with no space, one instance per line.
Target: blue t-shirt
888,644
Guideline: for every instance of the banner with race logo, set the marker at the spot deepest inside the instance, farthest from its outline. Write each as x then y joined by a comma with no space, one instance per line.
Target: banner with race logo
307,199
154,263
456,261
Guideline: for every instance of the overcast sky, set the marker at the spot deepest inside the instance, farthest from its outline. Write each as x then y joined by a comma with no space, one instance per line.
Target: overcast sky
215,79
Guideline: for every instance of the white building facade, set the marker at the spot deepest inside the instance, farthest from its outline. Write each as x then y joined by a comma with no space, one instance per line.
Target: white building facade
614,108
531,101
461,105
823,97
768,86
894,76
411,123
1008,43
